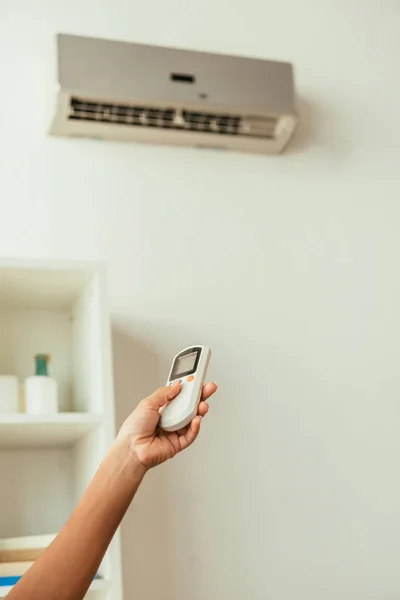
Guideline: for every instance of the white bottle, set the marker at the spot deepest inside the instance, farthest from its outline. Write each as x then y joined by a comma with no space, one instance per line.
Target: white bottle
41,391
9,394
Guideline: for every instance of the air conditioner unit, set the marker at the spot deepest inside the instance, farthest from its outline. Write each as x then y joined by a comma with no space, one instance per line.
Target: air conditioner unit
125,91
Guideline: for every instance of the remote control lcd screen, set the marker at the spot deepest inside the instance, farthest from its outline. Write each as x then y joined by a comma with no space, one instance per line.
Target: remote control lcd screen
185,363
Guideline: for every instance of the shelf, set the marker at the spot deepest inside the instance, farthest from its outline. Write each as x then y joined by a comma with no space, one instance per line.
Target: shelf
98,587
47,431
47,462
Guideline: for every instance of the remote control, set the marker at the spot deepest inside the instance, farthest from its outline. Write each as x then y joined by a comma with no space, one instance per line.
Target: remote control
189,367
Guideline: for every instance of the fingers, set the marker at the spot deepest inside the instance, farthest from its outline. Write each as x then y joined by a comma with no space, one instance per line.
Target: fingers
203,409
208,390
190,435
163,395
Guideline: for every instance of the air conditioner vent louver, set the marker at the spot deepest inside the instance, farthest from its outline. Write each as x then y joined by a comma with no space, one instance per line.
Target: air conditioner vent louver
171,118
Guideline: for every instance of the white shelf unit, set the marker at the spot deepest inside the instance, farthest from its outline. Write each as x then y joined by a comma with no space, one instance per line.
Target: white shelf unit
47,462
97,591
48,431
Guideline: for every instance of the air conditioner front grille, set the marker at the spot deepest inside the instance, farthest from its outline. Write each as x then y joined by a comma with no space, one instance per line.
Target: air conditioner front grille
171,118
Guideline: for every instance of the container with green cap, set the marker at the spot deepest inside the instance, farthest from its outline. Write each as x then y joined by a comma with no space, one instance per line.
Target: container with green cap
41,393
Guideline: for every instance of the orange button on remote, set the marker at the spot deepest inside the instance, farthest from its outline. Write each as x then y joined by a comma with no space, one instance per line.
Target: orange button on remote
190,378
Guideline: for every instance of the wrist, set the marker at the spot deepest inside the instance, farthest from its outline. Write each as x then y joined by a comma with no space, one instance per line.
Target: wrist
124,464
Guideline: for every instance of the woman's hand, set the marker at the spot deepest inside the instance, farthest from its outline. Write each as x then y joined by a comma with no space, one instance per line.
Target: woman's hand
149,444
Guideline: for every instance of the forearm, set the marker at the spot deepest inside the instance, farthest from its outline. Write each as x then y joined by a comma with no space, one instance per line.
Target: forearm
68,566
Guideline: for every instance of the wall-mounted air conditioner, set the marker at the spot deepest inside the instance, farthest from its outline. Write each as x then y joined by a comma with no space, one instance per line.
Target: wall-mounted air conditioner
126,91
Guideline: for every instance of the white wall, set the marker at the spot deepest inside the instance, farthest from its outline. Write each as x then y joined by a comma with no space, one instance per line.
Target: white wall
288,269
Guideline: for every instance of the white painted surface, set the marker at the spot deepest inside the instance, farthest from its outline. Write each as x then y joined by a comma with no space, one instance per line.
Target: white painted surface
41,431
36,491
75,330
290,266
42,287
90,350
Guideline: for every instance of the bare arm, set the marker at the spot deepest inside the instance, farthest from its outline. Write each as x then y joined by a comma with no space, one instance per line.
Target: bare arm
68,566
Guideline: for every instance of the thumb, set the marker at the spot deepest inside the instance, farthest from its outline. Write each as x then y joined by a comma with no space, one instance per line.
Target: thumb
160,397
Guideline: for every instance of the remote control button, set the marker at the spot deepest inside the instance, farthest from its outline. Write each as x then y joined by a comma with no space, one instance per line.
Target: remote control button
190,378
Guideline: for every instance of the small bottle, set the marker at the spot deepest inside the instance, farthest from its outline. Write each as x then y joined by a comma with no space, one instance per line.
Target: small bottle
41,391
